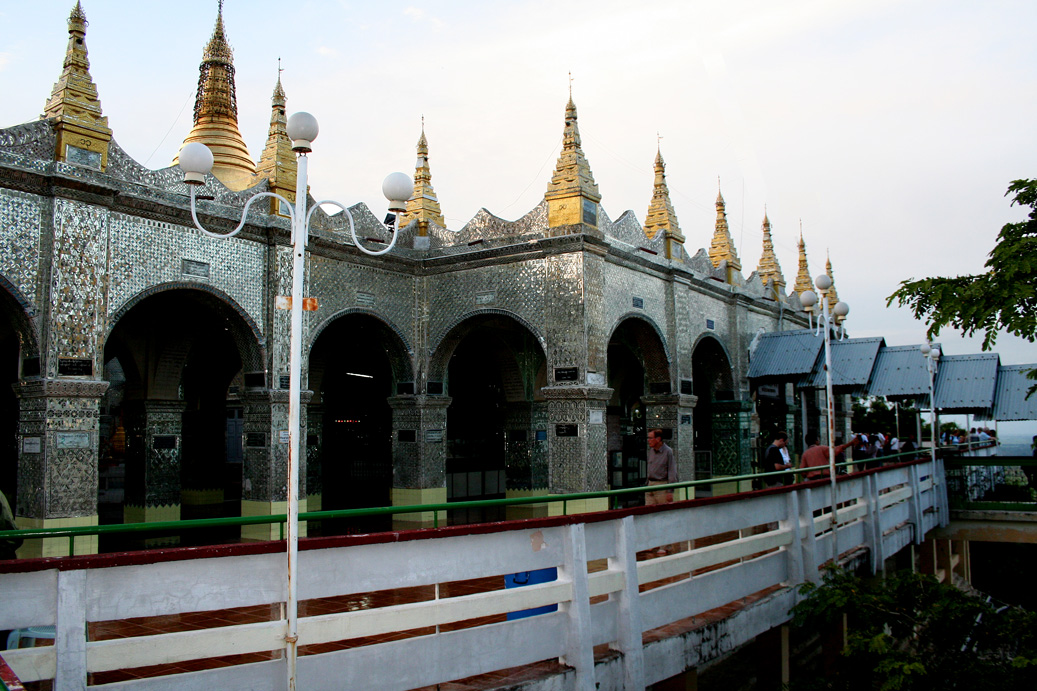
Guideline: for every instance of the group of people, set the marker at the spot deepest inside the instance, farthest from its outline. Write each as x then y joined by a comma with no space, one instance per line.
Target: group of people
867,448
974,435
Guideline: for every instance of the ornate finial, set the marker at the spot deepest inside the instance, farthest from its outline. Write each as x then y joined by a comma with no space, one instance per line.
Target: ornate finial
423,206
279,96
74,107
803,281
570,85
831,294
572,181
661,216
216,112
769,268
723,247
278,163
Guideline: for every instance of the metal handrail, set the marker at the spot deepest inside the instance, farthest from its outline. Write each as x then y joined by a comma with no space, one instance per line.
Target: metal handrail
192,524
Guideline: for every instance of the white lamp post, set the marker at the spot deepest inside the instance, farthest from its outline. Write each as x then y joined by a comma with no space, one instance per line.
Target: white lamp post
196,161
932,359
826,321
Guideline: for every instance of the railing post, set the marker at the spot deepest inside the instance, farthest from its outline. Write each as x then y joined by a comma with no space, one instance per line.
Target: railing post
873,523
628,605
579,652
795,550
916,504
809,544
70,631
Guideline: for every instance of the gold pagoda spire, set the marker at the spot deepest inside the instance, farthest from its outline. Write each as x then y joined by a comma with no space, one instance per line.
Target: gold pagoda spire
803,281
216,113
661,216
832,294
277,163
723,247
769,268
572,195
423,206
81,129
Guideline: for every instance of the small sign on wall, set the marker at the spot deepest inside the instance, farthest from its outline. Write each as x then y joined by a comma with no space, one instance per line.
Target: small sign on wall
32,445
283,436
597,417
73,440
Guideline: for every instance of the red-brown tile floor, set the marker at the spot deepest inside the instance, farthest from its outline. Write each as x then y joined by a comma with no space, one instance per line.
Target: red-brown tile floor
508,678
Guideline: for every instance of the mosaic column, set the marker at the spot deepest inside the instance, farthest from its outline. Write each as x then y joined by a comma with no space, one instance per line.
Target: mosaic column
314,482
153,456
264,485
57,460
577,444
673,412
525,426
418,457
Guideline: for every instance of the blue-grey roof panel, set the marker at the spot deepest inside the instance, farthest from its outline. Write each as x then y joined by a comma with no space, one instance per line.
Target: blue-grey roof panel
852,363
785,353
1010,402
966,383
899,371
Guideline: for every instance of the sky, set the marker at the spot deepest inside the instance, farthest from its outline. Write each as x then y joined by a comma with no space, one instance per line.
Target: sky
889,130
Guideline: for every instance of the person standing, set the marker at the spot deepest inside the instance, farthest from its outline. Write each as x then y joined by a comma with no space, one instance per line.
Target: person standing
777,459
816,456
662,468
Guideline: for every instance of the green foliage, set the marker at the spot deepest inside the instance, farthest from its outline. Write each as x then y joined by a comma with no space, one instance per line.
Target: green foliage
1002,299
911,633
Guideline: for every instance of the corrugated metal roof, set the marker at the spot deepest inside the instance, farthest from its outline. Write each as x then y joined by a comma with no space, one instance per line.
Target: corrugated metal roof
852,363
785,353
1010,402
966,383
900,372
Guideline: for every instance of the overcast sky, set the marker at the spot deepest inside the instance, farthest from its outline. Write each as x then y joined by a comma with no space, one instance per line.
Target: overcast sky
890,129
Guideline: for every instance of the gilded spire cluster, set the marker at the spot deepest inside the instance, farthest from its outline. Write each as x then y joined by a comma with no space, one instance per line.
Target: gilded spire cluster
661,217
277,163
216,113
769,268
572,195
423,206
723,247
81,128
803,281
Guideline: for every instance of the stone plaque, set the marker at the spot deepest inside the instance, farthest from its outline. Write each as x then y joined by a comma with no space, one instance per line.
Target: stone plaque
83,157
567,430
434,388
285,381
195,269
75,367
255,439
163,442
567,374
541,435
711,325
31,367
485,298
365,299
639,303
686,386
590,213
597,417
283,436
685,419
407,435
434,436
32,445
73,440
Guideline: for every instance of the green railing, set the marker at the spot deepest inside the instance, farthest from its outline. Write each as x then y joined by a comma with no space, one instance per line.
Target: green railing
1011,491
679,488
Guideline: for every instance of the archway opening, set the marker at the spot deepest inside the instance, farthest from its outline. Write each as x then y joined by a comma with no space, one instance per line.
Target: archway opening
352,366
494,374
9,354
717,443
170,420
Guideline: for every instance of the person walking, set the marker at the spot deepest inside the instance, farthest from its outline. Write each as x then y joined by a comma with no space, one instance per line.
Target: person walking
662,468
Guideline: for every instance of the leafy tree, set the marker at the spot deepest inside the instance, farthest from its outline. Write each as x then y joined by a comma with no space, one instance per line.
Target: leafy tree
910,632
1002,299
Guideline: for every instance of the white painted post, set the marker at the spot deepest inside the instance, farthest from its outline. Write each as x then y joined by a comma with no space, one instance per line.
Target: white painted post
628,605
806,518
873,524
579,651
795,550
916,504
70,632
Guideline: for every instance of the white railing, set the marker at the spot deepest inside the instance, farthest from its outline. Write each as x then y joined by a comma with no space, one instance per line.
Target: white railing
773,539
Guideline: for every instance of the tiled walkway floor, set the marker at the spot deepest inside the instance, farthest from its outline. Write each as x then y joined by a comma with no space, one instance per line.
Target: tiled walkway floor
508,678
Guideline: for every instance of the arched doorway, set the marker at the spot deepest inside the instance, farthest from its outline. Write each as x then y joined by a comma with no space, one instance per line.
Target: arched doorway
355,365
170,422
496,422
720,421
637,367
16,335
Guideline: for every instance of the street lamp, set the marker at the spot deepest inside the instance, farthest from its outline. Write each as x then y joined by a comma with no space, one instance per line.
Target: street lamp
932,358
825,321
196,161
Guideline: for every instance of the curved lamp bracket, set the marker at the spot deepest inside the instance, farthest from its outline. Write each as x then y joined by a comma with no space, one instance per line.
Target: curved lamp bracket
244,213
352,228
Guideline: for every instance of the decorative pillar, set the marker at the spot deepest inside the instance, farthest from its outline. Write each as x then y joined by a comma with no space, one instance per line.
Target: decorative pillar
154,442
57,460
314,445
264,485
673,412
418,457
525,427
577,444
